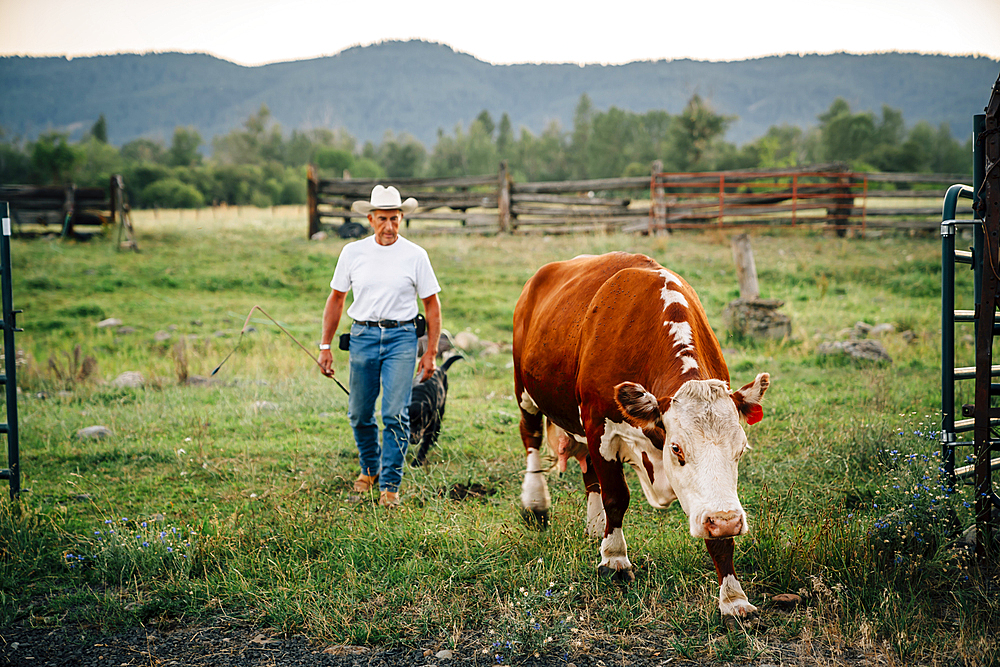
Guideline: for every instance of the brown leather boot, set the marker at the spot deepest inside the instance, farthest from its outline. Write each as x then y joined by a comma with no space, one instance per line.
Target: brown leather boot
364,483
389,499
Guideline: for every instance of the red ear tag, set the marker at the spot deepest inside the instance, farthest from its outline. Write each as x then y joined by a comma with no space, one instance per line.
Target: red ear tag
756,414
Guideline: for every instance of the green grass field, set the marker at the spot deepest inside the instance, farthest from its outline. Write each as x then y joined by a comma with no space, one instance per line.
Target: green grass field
207,504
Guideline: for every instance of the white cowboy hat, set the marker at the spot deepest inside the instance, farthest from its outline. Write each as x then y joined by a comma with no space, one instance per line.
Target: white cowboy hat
383,199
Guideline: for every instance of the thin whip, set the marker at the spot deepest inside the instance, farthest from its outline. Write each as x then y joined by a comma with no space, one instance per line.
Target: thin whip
304,349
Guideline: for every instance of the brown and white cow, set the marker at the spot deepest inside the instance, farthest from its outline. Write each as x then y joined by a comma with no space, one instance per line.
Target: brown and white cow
617,353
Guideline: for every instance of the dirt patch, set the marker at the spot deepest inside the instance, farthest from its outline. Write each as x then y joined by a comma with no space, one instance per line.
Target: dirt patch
474,491
224,645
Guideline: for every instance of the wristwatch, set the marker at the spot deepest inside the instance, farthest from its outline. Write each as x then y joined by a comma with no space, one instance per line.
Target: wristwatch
324,346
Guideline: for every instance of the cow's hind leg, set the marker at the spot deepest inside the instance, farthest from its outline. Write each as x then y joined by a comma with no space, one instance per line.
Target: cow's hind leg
535,499
596,521
733,603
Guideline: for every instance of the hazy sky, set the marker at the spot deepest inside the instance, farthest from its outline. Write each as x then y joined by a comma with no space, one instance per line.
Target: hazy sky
259,31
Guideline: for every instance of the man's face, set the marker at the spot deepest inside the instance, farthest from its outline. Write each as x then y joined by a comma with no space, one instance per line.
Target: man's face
386,225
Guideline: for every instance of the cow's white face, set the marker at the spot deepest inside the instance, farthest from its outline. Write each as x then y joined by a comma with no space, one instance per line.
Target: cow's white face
703,441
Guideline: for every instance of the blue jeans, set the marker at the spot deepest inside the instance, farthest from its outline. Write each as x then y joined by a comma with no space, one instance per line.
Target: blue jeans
382,359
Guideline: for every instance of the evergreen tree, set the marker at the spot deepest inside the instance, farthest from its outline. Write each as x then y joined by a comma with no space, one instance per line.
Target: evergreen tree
694,132
486,120
578,146
505,138
99,131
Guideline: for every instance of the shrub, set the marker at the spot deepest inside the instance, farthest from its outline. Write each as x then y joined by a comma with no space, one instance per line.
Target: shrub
172,193
365,168
334,161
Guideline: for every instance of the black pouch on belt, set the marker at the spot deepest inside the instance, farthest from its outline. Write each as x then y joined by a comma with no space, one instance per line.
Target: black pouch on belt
345,341
420,322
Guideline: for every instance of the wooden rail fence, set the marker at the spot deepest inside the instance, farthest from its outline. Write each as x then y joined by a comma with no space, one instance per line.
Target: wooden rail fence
60,209
825,195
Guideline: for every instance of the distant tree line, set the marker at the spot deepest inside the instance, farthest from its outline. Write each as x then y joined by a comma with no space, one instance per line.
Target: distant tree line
260,165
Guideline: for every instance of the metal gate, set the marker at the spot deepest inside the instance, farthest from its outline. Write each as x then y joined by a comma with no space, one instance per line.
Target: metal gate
981,418
9,379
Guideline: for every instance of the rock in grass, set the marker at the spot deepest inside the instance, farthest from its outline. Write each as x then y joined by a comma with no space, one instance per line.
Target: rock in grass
265,406
129,379
110,322
880,330
786,601
757,318
468,341
864,350
446,654
96,432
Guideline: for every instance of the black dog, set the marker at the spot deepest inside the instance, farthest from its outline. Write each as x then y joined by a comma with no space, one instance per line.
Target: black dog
427,409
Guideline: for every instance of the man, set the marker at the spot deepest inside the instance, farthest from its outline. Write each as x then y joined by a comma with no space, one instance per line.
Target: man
387,274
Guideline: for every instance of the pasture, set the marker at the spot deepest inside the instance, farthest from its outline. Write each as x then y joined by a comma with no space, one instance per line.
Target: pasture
230,501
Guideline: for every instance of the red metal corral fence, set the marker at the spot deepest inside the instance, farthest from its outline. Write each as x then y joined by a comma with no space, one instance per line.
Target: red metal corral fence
828,195
835,199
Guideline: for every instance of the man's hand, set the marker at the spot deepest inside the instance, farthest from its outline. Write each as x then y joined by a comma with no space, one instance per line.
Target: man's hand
427,365
432,310
331,318
326,363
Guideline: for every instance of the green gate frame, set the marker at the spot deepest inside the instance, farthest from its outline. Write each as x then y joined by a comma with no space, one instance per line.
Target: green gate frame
9,379
980,417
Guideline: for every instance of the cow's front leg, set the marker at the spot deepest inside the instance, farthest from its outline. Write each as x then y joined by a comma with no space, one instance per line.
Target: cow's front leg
733,603
535,498
615,498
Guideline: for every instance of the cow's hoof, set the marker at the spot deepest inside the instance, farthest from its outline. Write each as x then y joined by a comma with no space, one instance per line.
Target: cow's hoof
624,576
745,618
535,518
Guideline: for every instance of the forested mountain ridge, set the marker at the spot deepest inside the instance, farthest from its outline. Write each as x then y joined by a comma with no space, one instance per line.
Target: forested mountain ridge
419,87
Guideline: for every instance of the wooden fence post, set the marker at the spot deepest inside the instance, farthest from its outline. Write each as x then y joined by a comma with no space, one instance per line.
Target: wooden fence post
112,198
843,203
311,202
69,209
503,199
746,269
658,201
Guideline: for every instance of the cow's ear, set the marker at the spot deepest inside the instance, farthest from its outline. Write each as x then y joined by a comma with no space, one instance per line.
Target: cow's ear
639,407
748,398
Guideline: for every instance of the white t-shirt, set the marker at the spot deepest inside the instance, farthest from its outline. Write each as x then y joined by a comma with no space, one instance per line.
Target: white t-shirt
387,279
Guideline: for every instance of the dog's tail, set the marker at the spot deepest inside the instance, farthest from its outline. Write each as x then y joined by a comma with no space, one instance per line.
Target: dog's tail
452,359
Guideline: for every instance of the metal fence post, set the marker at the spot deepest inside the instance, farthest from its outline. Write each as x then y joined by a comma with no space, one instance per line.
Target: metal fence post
13,473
